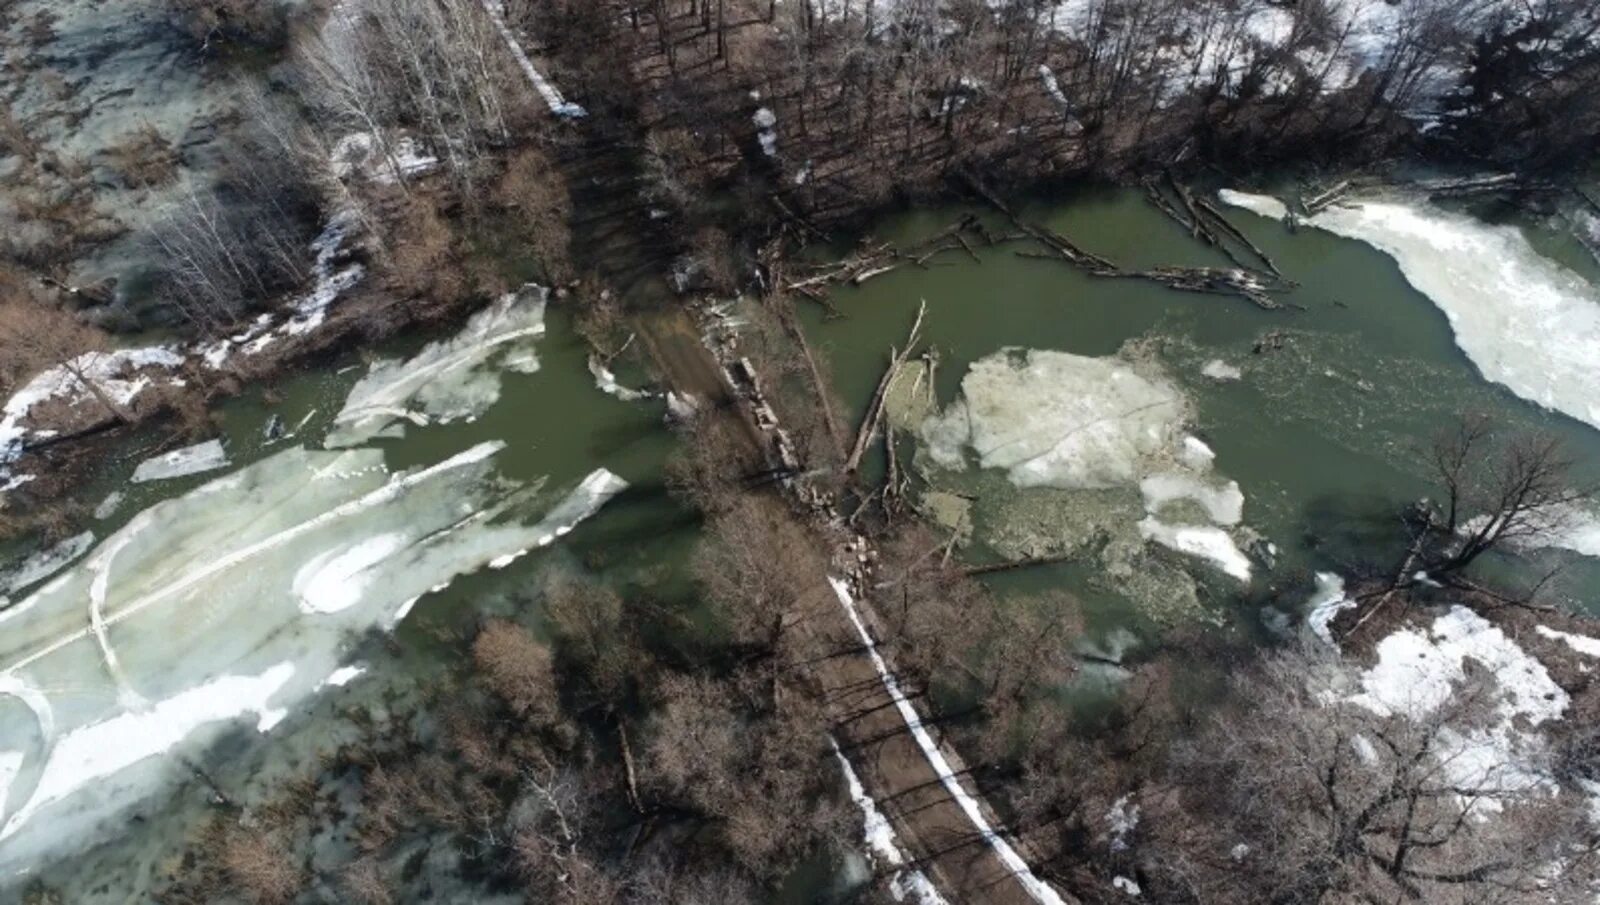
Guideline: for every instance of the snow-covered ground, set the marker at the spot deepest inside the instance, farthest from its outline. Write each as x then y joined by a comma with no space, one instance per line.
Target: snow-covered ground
1419,671
1041,891
884,845
122,375
1524,320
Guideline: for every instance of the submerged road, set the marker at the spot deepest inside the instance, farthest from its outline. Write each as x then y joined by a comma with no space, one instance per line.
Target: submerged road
941,824
940,821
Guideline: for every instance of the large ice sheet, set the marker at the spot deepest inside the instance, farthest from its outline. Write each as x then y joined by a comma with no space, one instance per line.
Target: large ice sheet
1052,419
238,598
449,380
1069,422
1524,320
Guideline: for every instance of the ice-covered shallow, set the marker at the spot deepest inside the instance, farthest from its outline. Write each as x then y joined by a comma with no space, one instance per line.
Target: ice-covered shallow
1524,320
240,598
449,380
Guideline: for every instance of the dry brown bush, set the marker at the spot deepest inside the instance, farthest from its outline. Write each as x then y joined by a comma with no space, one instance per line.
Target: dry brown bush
534,192
422,253
144,158
260,867
517,668
363,881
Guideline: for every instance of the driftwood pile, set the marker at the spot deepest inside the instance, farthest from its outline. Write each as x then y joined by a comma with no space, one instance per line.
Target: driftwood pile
874,259
1254,282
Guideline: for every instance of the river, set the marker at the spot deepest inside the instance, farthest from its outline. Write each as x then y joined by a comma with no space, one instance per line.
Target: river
1320,415
225,629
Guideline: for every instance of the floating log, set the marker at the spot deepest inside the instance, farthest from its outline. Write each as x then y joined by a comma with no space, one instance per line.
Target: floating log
1010,565
874,414
1317,203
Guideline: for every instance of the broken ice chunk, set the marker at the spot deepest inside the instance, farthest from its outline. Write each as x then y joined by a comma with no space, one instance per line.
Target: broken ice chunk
191,460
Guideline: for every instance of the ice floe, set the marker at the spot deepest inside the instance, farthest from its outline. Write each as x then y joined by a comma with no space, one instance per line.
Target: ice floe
181,463
606,382
1053,419
1213,545
449,380
1074,423
239,598
1217,369
1526,322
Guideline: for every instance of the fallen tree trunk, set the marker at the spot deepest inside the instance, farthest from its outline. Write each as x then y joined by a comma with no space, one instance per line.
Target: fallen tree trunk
874,413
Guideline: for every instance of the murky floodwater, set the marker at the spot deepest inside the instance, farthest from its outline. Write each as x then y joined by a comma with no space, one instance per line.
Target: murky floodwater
312,629
246,609
1321,428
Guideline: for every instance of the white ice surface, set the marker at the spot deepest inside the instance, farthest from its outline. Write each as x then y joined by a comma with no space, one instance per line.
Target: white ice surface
1524,320
1223,503
181,463
1037,888
1265,205
449,380
606,382
191,615
1328,602
1217,369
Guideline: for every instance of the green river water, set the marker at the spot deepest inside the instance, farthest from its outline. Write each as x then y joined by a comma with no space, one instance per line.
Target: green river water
1320,434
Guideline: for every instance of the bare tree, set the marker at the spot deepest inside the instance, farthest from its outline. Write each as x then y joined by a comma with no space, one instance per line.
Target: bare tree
517,668
35,337
1296,796
1496,493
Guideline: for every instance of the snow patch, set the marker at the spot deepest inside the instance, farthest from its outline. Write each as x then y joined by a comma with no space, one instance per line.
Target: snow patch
885,847
1583,644
343,676
558,105
337,580
1418,672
